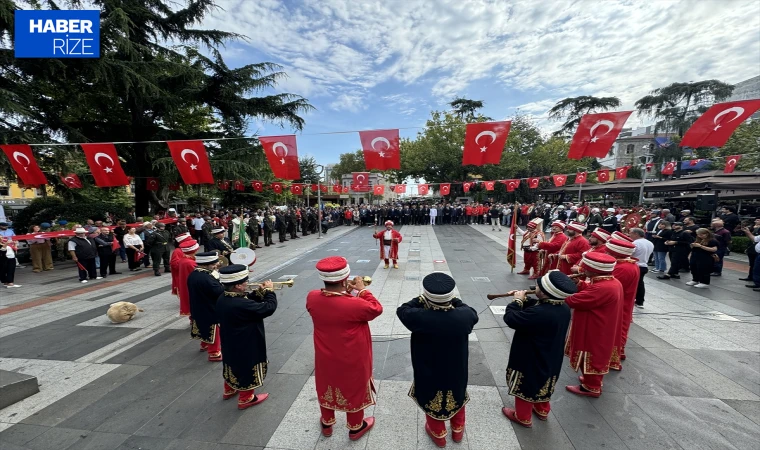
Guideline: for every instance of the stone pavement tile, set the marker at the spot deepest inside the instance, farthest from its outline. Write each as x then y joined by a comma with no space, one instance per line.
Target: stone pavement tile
497,357
144,443
645,338
396,419
750,409
216,418
735,428
583,424
546,434
398,362
478,371
688,430
235,447
188,444
631,423
20,433
663,375
256,425
486,426
92,440
737,366
84,397
379,352
154,349
633,379
492,335
719,385
56,439
283,348
301,362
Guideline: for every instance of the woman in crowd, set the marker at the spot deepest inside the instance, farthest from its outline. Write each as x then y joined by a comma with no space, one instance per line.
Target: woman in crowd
663,234
107,255
8,262
751,253
702,258
133,245
40,250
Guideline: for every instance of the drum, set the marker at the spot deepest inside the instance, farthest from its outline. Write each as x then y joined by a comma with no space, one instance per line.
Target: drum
244,256
581,218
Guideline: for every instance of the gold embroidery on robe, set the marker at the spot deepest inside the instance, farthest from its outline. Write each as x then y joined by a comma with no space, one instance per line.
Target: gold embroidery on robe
334,399
259,373
435,404
451,404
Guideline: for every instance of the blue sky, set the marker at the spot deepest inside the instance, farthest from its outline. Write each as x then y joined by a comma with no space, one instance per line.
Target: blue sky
371,64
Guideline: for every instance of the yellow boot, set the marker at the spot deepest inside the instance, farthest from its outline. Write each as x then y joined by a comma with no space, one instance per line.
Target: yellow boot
395,266
386,266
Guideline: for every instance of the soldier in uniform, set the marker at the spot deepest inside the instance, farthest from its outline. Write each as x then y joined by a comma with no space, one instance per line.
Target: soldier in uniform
252,228
159,248
269,224
206,228
205,289
180,228
292,224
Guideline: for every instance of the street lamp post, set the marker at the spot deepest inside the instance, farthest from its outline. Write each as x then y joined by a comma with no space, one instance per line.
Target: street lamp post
320,169
647,159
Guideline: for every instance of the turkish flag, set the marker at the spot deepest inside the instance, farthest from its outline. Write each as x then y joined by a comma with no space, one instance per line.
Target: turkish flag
257,186
104,165
239,185
580,177
596,133
296,189
345,189
731,162
337,188
192,161
489,185
466,186
715,126
512,185
174,186
694,162
277,188
400,188
423,189
621,173
668,168
23,162
323,188
223,185
379,189
603,175
533,182
282,155
361,181
381,149
151,184
649,166
72,181
445,188
484,142
559,180
314,188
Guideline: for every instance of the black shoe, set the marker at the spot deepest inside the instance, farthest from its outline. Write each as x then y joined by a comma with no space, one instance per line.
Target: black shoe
115,273
745,279
753,286
756,289
677,277
639,305
663,277
167,270
715,274
158,274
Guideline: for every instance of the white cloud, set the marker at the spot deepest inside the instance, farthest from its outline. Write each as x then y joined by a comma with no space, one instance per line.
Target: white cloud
349,102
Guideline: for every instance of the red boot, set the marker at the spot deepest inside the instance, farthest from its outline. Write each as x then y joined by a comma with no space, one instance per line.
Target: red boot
524,272
214,358
578,390
512,415
457,436
254,401
370,421
439,441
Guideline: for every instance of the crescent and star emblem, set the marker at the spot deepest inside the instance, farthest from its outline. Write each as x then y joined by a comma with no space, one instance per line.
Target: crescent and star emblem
283,147
736,109
99,155
732,162
70,181
361,177
485,133
192,152
380,139
17,155
607,123
560,179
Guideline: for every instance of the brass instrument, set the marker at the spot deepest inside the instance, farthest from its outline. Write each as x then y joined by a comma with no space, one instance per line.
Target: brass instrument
277,285
366,279
508,294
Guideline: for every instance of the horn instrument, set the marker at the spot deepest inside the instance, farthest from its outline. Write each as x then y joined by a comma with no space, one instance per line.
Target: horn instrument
508,294
277,284
366,279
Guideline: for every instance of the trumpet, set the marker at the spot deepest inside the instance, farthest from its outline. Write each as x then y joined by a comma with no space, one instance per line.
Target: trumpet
277,284
366,279
508,294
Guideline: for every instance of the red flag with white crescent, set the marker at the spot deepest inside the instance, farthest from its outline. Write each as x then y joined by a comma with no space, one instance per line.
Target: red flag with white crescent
649,166
257,186
621,173
239,185
223,185
282,154
715,126
489,185
381,149
23,162
694,162
192,161
512,185
277,187
466,186
668,168
484,142
596,133
423,189
151,184
731,162
603,175
337,188
445,188
400,188
323,188
104,165
72,181
345,189
379,189
360,181
559,180
314,188
533,182
580,177
296,189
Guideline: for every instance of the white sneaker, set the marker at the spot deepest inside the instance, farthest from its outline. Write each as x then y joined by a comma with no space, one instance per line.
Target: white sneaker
83,281
98,278
21,267
701,285
691,283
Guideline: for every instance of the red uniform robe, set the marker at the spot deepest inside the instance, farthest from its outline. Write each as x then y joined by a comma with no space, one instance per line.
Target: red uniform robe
573,249
627,273
395,240
600,248
185,267
530,257
552,246
177,254
343,348
597,310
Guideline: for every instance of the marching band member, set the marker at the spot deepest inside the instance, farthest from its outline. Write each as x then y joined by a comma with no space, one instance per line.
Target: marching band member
530,250
389,240
176,255
183,267
627,273
597,239
440,324
205,289
621,235
343,346
597,311
220,244
572,250
241,322
535,358
551,247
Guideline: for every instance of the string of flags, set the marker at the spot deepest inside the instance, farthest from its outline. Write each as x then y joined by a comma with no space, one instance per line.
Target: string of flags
484,143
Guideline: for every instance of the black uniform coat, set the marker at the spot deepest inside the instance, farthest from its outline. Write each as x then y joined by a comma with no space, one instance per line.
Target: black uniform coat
244,348
204,291
535,359
440,354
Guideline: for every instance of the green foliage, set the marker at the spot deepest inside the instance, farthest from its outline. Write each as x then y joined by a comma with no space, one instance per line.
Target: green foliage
198,202
348,163
49,209
746,139
740,244
572,109
465,109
